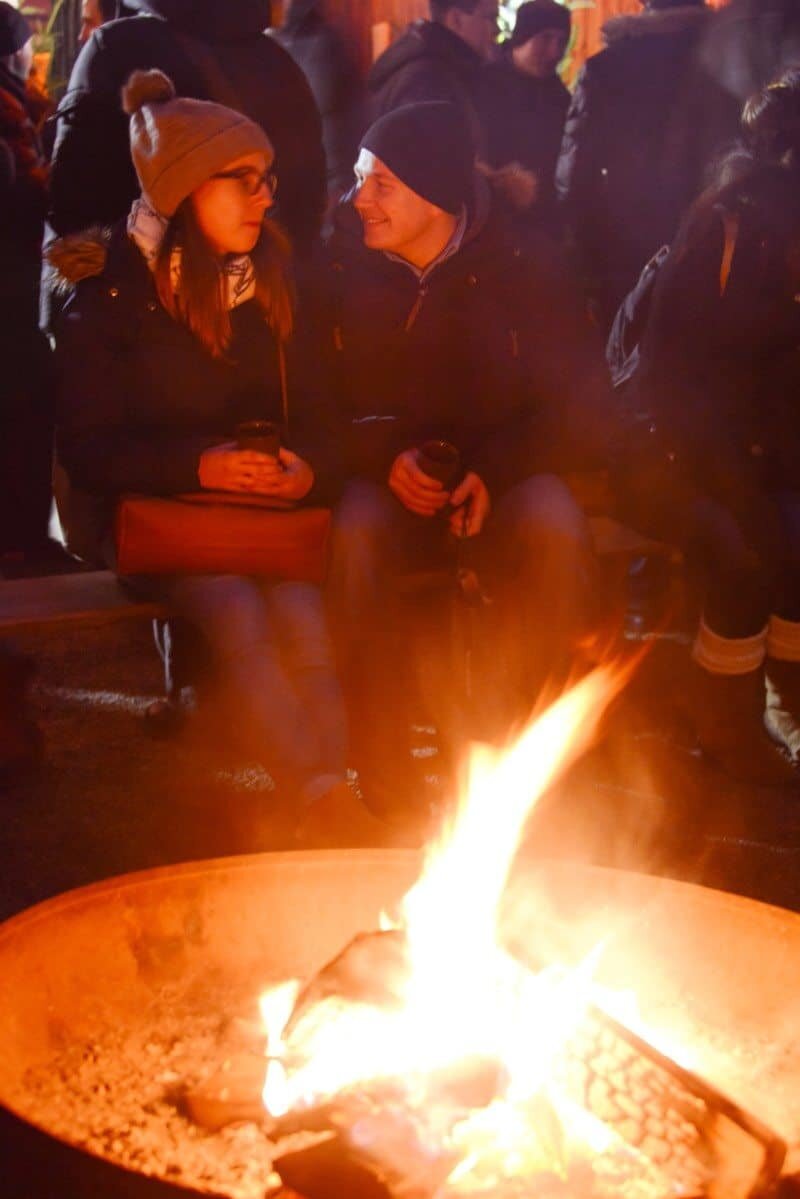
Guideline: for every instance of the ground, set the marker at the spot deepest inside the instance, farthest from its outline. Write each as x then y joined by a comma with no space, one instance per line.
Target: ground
112,798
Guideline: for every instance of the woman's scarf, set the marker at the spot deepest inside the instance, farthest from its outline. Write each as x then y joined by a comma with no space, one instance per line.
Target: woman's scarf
146,228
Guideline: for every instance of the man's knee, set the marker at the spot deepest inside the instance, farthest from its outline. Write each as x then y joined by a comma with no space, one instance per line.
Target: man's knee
362,524
543,509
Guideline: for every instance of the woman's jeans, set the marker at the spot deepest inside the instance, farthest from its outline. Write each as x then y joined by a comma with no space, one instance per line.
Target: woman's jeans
273,658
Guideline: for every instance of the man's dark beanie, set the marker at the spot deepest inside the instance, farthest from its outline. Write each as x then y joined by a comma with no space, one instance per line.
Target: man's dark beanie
536,16
14,30
429,148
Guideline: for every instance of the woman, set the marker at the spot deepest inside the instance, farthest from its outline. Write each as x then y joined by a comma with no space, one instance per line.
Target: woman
174,334
716,466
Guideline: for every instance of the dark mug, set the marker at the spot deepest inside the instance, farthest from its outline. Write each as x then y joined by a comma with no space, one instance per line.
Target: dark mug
261,435
439,460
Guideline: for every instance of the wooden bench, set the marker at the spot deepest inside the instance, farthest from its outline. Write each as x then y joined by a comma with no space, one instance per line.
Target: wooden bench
70,600
96,597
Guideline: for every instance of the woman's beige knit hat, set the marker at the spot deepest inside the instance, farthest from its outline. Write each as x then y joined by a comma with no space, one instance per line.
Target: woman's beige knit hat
178,143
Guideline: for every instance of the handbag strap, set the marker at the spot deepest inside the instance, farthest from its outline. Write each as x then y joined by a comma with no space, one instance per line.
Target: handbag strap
284,383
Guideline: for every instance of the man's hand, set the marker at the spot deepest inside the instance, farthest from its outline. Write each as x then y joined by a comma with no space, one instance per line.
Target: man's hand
414,489
471,503
226,468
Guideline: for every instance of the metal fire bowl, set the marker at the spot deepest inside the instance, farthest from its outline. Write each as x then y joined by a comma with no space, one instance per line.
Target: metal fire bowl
707,965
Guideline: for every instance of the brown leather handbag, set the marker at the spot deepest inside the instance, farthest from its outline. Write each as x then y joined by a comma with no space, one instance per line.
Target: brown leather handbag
214,532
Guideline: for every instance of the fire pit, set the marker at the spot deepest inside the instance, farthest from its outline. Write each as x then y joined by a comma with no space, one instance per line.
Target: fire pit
396,1026
714,973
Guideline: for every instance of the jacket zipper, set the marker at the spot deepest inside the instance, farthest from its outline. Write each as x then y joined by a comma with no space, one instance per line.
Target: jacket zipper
414,313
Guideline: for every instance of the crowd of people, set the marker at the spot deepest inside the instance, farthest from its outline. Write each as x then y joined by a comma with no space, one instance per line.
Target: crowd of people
410,273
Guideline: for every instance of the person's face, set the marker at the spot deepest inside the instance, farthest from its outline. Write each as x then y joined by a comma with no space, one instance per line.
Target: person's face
91,19
477,28
229,207
393,216
542,53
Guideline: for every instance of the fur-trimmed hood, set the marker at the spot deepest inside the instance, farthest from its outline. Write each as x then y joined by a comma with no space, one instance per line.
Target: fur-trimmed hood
79,256
681,19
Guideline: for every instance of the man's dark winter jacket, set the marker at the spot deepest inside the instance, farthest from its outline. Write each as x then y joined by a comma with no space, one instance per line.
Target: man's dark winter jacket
644,123
140,398
524,119
93,179
325,60
490,351
428,62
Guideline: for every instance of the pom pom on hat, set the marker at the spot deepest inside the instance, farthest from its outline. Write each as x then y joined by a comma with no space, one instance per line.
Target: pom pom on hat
178,143
146,87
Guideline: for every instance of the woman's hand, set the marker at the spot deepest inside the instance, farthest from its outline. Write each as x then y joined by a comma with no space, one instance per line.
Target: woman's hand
226,468
292,478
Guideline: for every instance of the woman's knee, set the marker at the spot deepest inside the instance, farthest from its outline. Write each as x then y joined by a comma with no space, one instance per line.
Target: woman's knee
229,610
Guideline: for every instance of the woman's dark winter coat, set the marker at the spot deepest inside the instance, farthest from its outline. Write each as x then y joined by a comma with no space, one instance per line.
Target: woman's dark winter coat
93,180
490,351
323,56
644,124
428,62
140,398
719,378
524,119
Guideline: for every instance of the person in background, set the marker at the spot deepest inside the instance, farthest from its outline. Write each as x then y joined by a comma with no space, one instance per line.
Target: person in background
211,50
328,64
713,458
645,120
525,103
26,416
175,331
95,13
440,324
439,59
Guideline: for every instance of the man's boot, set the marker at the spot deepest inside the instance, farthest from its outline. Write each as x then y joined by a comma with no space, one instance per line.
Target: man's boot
782,717
725,699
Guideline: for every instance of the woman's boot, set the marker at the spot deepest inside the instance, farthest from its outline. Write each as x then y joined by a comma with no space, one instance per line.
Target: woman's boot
783,684
726,700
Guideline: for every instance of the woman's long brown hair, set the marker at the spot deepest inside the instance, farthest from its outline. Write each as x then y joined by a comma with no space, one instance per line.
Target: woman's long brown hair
200,301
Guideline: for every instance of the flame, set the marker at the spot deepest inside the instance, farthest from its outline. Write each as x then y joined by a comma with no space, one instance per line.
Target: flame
464,1002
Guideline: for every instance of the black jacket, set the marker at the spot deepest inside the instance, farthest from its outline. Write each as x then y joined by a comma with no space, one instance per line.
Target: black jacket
524,119
428,62
323,57
643,125
140,398
719,375
490,352
93,178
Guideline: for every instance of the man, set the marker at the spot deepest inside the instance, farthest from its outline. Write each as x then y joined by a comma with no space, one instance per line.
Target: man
439,59
26,419
643,125
442,327
525,103
95,13
324,57
212,51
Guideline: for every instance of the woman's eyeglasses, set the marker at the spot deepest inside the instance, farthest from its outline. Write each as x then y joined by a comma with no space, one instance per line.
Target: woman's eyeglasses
250,181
